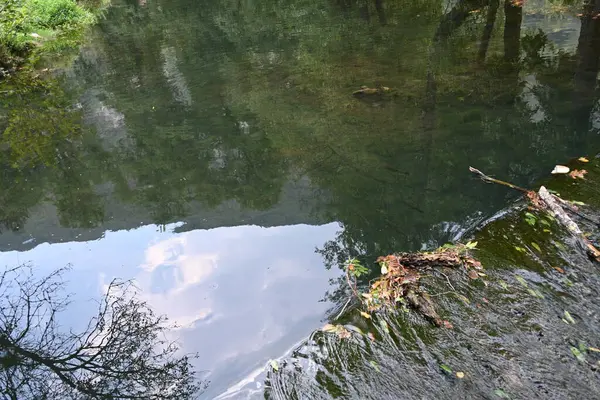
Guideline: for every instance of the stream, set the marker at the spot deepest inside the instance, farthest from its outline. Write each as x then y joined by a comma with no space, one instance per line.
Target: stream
218,155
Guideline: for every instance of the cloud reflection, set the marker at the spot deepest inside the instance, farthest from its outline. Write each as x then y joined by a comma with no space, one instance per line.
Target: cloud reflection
241,295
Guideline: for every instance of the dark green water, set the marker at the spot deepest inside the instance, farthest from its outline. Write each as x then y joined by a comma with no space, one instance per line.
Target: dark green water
206,149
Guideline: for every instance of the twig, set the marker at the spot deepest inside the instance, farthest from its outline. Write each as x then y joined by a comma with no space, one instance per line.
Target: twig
442,294
352,284
489,179
555,207
343,308
448,280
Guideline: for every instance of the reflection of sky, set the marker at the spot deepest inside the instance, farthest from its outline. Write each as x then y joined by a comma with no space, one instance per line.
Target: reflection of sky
241,295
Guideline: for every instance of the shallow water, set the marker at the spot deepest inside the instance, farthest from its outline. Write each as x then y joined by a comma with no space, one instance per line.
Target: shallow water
206,149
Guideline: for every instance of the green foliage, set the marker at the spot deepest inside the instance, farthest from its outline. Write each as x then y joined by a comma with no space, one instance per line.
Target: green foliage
56,13
355,268
29,28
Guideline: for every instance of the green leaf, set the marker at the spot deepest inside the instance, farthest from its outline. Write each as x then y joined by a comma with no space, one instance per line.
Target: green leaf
446,368
463,298
530,218
530,221
503,284
471,245
578,203
578,355
545,222
535,293
522,281
536,246
522,250
374,365
569,318
501,393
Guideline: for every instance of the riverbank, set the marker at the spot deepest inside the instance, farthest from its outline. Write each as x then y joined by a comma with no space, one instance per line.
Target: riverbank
35,30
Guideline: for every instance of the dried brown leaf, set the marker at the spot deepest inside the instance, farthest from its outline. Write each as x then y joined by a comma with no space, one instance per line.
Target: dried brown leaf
577,173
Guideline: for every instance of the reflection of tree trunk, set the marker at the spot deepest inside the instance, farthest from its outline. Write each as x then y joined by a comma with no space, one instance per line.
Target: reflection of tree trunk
380,12
429,122
487,30
513,11
588,62
455,18
588,48
429,105
364,10
448,24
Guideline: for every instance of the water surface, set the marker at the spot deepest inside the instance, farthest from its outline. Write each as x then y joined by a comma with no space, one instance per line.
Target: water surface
206,149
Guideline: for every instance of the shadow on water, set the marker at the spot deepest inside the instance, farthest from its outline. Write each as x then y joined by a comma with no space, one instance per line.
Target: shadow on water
220,114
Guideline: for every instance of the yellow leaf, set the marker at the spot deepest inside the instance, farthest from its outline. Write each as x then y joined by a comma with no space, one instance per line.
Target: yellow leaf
364,314
460,375
583,159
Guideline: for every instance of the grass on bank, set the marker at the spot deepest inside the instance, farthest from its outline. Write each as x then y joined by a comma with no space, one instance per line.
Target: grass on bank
29,28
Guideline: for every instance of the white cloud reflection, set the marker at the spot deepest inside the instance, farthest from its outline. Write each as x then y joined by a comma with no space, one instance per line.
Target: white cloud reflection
241,295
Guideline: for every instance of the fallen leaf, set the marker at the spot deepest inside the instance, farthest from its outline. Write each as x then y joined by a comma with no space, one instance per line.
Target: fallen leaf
274,365
329,328
473,274
594,349
501,393
578,355
560,169
371,336
568,317
535,293
366,315
463,298
460,375
343,333
583,159
522,281
374,365
471,245
559,269
576,173
446,368
447,324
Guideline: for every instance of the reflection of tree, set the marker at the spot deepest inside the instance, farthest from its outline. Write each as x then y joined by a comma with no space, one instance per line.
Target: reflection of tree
486,36
42,153
513,14
121,354
185,144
